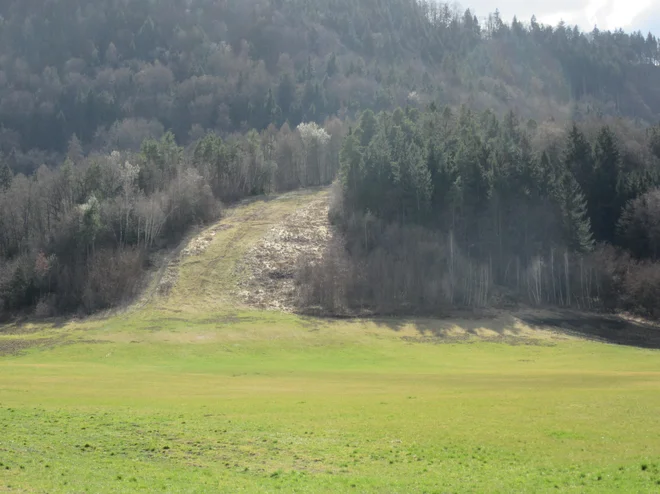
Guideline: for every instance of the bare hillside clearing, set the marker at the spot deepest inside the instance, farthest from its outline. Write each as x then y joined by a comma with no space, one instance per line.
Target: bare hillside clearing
268,269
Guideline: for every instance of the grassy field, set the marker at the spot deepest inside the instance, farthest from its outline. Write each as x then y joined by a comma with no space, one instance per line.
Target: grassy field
192,393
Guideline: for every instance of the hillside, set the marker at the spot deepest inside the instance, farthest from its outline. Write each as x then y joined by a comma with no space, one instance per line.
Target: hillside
128,124
325,246
115,73
247,264
194,389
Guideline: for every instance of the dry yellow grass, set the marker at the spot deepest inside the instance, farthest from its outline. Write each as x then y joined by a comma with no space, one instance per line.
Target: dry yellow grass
207,277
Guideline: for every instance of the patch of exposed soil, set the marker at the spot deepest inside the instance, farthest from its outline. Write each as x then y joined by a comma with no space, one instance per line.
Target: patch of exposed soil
199,244
14,346
267,272
467,338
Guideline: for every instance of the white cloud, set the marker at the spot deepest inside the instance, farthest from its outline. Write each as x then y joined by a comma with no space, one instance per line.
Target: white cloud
556,17
594,11
614,14
606,14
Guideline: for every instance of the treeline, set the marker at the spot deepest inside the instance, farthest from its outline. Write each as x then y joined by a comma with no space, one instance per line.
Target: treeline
116,72
439,209
77,237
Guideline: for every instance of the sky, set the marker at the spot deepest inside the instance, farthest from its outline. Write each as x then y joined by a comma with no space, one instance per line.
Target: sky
630,15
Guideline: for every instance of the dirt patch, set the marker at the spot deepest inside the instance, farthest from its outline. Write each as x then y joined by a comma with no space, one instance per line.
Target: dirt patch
469,338
20,329
199,244
168,277
15,346
267,271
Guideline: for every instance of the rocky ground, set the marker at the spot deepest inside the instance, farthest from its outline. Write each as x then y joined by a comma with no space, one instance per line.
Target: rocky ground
268,269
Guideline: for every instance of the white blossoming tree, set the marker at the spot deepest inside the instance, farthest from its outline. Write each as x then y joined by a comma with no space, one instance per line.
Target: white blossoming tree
315,140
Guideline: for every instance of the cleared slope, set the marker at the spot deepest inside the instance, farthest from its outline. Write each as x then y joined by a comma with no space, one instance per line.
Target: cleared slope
194,391
207,275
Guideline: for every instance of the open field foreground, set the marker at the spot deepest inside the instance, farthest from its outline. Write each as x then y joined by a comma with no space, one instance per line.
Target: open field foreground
192,391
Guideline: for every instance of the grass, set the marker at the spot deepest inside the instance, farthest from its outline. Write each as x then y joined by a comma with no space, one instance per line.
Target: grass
196,394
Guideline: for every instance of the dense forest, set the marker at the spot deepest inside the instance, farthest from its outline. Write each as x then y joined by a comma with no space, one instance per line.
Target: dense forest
77,237
479,162
115,72
438,209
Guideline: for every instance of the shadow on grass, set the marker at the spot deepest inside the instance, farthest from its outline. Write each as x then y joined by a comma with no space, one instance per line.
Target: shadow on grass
599,327
28,325
612,329
463,327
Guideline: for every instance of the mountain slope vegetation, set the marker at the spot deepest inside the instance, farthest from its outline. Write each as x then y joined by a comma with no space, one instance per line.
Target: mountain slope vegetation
477,167
114,72
436,210
124,123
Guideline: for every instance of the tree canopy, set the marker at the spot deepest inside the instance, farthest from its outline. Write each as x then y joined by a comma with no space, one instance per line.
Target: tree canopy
114,72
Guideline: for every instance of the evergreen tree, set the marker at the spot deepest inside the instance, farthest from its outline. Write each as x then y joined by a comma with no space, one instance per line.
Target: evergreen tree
411,177
271,112
367,128
576,219
6,174
378,192
350,161
605,198
578,157
654,140
74,151
331,67
286,93
442,174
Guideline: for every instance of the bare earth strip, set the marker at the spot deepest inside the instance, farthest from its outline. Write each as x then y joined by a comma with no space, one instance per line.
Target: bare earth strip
268,269
208,273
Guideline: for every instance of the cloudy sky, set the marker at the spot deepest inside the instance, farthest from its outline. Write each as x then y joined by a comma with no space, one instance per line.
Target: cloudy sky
630,15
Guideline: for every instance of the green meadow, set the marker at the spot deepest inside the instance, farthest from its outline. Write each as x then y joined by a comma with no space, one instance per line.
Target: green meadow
191,392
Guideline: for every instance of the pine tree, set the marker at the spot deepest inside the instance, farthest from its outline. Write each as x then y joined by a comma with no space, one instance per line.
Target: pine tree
271,112
350,168
286,93
332,68
367,128
410,172
6,174
74,150
606,201
421,187
377,191
577,226
578,157
654,140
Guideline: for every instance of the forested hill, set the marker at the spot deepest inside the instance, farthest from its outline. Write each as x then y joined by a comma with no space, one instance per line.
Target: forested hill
114,72
125,122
